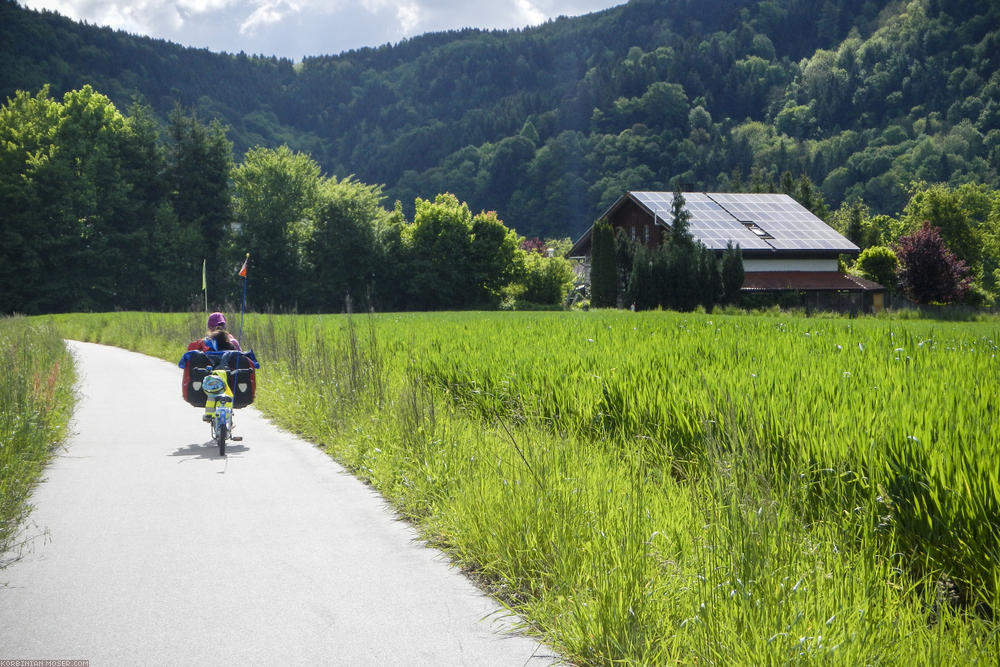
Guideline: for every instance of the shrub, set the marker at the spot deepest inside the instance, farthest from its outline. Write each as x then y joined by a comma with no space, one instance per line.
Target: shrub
880,264
929,272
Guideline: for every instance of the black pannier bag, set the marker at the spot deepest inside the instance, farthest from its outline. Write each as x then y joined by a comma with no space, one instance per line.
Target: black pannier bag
239,370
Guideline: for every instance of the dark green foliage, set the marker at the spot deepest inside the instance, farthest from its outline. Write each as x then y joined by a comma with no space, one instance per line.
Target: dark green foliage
100,215
625,250
855,230
680,274
549,125
198,167
732,273
455,260
832,101
642,292
546,280
712,289
341,250
603,267
680,221
276,193
87,217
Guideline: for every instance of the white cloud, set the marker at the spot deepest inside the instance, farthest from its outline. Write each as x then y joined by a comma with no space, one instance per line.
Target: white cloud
532,15
268,13
294,28
409,16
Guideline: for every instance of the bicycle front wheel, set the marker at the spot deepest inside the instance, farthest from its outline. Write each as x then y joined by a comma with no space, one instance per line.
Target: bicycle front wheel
220,436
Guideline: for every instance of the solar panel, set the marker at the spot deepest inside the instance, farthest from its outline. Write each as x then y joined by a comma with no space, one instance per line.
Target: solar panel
717,218
791,224
710,223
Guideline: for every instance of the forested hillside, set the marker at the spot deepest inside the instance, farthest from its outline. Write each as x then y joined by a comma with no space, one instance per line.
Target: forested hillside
549,125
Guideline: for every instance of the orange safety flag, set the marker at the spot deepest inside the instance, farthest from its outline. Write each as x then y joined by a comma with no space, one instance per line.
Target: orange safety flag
243,269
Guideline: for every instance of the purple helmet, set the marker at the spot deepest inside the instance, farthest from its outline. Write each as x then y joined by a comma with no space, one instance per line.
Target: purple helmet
216,320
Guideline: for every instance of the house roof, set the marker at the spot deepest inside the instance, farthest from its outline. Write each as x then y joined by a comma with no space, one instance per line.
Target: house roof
761,224
805,281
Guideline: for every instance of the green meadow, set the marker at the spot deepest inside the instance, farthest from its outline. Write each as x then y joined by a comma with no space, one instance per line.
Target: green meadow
663,488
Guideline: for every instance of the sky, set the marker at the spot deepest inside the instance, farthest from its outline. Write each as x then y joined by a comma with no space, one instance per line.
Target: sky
296,28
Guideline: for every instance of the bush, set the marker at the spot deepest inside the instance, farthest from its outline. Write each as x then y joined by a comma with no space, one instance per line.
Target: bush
546,281
880,264
929,272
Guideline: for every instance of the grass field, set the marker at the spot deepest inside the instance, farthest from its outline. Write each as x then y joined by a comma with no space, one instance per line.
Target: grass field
658,488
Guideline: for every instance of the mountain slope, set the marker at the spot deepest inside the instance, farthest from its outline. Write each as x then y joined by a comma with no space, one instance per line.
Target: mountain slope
548,125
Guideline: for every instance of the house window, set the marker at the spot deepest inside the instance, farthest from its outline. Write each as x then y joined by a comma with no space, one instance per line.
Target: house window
632,230
645,234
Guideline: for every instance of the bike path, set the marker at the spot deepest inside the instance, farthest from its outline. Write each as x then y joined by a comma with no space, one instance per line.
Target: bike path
150,549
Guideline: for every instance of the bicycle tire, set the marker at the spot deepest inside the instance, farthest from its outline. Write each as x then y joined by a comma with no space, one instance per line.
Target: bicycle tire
220,436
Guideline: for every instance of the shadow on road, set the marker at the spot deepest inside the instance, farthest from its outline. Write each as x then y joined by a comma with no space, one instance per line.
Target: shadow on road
209,450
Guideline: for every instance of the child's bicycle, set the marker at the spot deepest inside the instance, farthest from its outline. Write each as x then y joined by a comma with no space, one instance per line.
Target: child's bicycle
220,382
217,393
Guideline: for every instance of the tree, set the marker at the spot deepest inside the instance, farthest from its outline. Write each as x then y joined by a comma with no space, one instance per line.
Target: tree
33,232
603,271
164,270
275,193
683,291
681,288
625,249
642,290
456,260
712,289
807,195
732,273
680,221
880,264
340,253
855,229
439,242
929,272
495,258
199,166
946,210
546,280
75,190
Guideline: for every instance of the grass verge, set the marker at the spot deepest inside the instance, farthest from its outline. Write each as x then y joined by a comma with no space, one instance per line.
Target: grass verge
36,401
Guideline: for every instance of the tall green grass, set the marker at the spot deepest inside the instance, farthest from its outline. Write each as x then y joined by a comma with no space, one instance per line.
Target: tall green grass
655,488
36,398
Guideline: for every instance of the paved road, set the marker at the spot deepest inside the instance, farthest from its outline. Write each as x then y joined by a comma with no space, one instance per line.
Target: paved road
154,550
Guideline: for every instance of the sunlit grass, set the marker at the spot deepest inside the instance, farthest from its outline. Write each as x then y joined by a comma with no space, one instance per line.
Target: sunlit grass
35,405
651,488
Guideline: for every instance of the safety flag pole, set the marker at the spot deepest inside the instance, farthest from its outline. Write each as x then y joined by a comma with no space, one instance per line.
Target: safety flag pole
204,281
243,306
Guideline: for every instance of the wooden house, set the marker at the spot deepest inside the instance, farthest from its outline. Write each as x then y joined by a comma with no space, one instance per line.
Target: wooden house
786,249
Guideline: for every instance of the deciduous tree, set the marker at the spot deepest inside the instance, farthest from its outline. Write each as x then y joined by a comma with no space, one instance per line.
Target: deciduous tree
275,196
929,272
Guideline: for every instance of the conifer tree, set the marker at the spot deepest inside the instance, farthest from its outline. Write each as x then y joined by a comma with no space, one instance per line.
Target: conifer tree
732,273
680,222
603,269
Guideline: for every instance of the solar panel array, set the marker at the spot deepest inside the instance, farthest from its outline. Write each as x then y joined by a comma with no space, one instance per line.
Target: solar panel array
717,218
